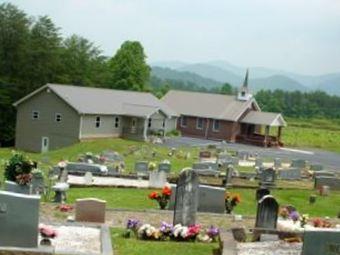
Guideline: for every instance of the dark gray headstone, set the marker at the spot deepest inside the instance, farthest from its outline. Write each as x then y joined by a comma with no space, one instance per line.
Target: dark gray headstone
299,163
325,242
38,185
267,212
332,182
81,167
142,167
164,167
186,202
19,220
16,188
316,167
211,199
277,163
228,176
205,165
290,174
258,162
268,177
324,173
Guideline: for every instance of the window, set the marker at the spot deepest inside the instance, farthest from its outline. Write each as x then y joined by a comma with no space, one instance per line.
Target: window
57,117
199,123
149,122
35,115
117,122
216,125
98,122
183,121
163,124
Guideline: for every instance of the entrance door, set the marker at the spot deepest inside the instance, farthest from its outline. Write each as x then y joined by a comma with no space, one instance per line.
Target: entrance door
44,144
133,125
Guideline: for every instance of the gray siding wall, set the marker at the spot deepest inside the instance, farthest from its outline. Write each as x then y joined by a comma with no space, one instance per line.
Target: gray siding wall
107,126
29,132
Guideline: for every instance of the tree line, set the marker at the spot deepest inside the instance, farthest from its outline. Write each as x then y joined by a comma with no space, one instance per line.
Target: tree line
33,53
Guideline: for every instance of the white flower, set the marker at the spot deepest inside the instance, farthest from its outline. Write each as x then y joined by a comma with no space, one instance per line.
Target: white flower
62,164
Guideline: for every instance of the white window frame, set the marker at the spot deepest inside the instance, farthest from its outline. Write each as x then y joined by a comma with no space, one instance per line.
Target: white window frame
37,114
58,117
98,122
214,123
116,122
182,121
197,121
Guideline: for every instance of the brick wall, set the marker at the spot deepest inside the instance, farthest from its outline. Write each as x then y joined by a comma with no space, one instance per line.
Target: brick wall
227,129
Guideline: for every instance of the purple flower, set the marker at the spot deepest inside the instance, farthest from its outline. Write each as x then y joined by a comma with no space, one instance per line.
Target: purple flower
212,232
166,228
132,223
294,215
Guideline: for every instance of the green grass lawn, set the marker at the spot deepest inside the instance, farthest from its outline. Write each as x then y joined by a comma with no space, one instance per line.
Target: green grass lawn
315,133
132,246
137,199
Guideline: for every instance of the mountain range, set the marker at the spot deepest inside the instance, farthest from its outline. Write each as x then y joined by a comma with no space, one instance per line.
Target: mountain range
214,73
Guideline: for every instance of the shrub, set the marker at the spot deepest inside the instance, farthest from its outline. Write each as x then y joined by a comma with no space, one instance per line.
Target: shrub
173,132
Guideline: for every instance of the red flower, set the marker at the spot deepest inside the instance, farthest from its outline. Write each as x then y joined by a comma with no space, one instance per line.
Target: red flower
237,198
166,191
153,195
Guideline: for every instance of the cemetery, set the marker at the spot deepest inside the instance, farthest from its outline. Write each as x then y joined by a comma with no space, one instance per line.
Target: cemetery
201,200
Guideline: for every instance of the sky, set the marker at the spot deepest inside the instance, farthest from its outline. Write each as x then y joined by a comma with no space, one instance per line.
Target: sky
301,36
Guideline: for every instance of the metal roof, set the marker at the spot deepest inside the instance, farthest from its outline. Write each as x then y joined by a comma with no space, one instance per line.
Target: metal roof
264,118
89,100
206,105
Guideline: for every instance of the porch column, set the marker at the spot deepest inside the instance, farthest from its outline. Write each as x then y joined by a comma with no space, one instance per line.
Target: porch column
145,130
266,136
279,133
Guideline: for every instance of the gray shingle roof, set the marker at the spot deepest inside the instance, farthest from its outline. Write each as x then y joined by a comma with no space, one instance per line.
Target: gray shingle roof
88,100
207,105
264,118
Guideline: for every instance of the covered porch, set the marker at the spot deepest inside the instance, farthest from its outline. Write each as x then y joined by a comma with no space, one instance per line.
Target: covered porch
253,125
141,122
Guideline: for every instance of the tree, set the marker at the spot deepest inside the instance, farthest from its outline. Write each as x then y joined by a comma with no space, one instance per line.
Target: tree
128,67
226,89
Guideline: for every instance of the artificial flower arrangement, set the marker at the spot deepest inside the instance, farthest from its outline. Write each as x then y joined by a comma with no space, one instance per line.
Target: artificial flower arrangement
231,201
162,198
169,232
64,208
47,233
320,223
18,169
152,166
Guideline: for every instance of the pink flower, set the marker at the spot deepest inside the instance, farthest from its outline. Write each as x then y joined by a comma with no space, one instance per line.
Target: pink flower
47,231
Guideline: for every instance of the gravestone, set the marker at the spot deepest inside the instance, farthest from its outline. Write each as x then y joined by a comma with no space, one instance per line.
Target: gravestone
243,155
164,167
81,167
268,177
211,199
186,200
88,178
157,179
142,167
205,165
324,173
332,182
261,192
267,212
299,163
228,175
19,220
38,185
290,174
277,163
63,175
90,210
16,188
258,162
204,154
325,242
316,167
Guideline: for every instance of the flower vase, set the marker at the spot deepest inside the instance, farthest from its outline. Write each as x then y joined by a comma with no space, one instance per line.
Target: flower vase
46,241
163,204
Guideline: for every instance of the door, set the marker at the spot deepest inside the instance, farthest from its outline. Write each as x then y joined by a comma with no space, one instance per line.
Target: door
133,125
44,144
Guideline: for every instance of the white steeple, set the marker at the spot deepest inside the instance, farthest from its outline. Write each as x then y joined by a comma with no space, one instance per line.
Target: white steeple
243,94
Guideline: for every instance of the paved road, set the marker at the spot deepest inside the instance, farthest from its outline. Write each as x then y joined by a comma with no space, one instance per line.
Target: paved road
330,160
